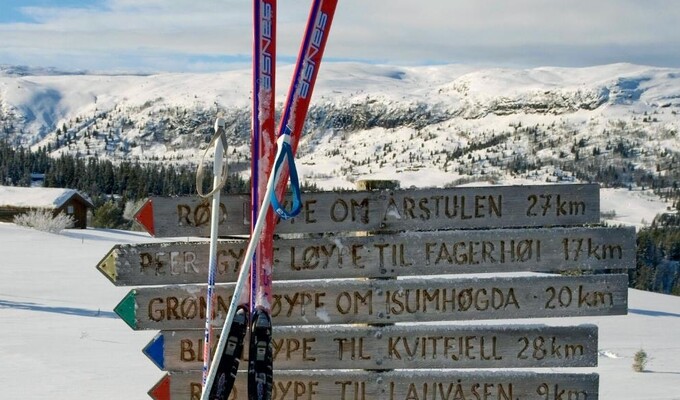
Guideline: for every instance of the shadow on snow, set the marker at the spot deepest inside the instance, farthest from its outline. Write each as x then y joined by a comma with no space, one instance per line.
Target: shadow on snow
652,313
81,312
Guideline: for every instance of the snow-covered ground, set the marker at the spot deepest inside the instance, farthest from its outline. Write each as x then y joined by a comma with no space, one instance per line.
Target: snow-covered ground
631,207
59,338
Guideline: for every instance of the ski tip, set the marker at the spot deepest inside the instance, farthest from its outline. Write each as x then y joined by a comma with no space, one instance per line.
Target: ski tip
155,350
107,265
144,216
126,309
161,390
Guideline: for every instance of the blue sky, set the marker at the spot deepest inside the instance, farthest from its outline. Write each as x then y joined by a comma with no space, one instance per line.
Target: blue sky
12,10
214,35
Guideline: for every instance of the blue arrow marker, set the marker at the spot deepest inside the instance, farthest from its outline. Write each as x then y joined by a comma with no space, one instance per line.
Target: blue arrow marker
154,350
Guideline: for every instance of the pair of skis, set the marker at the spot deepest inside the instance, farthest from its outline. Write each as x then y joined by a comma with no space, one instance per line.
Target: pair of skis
269,176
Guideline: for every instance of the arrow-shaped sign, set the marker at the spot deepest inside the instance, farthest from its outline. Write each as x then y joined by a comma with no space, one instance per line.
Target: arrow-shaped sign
145,218
380,256
401,346
398,210
127,309
162,390
364,385
155,350
390,301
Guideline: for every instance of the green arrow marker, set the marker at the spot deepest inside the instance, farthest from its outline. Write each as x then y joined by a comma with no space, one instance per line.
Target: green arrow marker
126,309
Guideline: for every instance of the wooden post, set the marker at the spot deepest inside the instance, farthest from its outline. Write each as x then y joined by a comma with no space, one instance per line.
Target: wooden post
373,185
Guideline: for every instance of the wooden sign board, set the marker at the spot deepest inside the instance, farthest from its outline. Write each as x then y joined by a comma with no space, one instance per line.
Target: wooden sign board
400,347
399,210
404,254
398,385
390,301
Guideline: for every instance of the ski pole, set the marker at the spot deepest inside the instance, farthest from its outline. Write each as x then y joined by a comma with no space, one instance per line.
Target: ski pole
219,179
283,151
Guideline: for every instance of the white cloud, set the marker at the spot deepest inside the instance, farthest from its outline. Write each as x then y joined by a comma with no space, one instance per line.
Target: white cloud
523,32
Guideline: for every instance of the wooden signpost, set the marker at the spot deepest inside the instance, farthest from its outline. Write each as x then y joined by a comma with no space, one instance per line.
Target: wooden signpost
363,284
399,385
379,256
390,301
398,210
400,347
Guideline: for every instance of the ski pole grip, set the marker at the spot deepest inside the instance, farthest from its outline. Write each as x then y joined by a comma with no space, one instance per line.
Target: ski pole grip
219,135
286,152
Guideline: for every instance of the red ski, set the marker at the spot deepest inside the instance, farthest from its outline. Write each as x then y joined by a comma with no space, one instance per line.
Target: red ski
263,141
260,248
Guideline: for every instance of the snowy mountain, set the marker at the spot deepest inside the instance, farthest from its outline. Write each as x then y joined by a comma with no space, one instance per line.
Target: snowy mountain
370,120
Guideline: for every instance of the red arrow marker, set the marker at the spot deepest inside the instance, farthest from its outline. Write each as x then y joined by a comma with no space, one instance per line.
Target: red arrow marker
162,389
145,217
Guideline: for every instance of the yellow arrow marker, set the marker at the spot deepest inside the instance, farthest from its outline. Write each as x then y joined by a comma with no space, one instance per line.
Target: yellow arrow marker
107,266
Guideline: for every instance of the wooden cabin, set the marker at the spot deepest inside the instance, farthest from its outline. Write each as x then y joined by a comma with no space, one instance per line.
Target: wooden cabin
18,200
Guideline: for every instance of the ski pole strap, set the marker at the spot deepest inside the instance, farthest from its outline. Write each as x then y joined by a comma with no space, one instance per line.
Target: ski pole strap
200,173
286,152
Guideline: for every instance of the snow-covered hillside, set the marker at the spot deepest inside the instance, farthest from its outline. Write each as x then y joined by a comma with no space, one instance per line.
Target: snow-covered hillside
369,120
